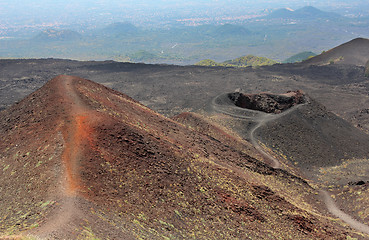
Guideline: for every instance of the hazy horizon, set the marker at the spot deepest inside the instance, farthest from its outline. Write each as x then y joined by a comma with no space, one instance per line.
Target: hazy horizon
173,31
44,13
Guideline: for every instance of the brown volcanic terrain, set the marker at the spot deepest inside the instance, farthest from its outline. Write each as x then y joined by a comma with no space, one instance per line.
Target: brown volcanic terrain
308,140
171,90
80,160
314,138
355,52
310,136
298,127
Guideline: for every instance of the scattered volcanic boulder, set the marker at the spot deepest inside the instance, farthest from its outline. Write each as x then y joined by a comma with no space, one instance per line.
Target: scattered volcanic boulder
267,102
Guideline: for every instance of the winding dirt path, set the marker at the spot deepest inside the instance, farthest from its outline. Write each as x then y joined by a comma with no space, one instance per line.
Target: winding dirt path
219,104
222,105
75,133
332,208
275,163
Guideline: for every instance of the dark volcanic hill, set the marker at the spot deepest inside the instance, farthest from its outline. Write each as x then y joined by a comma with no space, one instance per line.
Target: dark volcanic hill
120,29
79,160
301,131
303,137
310,12
315,138
57,35
355,52
305,13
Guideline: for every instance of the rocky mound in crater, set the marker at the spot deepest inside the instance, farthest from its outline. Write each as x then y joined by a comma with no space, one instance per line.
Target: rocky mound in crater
79,161
267,102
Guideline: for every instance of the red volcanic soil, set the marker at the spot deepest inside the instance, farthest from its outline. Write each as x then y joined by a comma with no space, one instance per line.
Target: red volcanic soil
215,131
80,160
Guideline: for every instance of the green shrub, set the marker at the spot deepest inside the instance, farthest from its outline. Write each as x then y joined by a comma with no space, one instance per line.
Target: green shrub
245,61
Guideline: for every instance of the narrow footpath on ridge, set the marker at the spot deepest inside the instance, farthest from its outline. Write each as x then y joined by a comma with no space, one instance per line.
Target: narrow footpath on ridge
260,119
75,134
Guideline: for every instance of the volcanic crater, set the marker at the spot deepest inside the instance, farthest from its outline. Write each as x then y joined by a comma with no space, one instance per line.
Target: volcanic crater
123,171
268,102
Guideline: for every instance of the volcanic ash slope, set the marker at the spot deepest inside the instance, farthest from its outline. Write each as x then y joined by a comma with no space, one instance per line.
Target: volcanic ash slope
79,160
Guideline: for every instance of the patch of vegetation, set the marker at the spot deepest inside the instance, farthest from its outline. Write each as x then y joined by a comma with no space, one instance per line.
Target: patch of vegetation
208,62
45,204
17,237
87,233
367,69
335,60
250,60
355,168
142,56
245,61
38,163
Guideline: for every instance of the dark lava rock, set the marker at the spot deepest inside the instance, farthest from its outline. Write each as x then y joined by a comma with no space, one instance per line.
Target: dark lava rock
267,102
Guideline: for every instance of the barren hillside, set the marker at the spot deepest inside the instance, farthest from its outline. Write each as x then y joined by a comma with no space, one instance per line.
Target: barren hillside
80,160
355,52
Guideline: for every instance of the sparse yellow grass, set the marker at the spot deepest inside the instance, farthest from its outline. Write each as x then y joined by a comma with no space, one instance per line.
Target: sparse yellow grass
87,234
19,237
353,169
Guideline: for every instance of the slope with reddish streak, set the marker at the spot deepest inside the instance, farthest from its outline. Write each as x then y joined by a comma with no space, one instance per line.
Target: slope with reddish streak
77,135
123,171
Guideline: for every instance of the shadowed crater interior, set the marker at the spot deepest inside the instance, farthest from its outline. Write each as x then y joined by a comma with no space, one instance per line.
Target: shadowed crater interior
267,102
